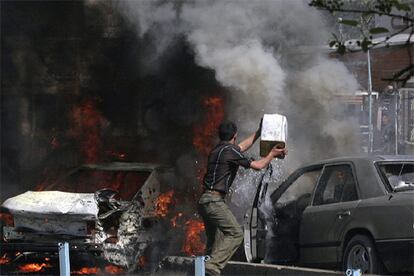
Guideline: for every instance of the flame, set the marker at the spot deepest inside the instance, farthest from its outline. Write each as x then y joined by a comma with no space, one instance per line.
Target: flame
175,218
7,219
86,270
163,202
87,123
205,134
34,267
142,261
116,155
113,269
193,245
4,260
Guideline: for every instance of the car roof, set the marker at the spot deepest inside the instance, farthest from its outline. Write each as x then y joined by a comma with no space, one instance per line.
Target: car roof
124,166
370,184
363,158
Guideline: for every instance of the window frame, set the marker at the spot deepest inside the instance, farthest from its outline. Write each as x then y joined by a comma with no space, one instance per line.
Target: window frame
354,175
383,178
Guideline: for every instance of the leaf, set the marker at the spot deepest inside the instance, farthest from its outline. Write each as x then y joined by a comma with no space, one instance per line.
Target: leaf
332,43
341,49
365,44
348,22
378,30
402,7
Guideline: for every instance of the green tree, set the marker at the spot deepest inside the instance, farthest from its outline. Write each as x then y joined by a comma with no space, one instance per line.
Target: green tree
360,16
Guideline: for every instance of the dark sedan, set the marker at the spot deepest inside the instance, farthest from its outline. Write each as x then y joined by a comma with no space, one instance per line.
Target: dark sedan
351,212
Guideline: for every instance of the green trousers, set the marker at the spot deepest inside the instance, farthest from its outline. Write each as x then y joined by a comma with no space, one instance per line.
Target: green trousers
224,234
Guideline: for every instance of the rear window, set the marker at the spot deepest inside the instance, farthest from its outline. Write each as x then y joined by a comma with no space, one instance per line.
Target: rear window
398,176
127,183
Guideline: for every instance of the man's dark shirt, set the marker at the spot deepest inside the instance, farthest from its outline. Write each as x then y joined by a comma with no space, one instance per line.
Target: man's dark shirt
223,163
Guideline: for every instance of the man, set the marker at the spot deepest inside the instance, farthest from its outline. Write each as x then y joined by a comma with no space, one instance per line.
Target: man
386,136
224,234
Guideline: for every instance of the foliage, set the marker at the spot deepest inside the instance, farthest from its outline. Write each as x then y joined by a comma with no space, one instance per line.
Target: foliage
361,14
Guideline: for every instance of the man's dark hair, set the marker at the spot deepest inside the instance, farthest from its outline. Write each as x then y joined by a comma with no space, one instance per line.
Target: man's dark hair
227,130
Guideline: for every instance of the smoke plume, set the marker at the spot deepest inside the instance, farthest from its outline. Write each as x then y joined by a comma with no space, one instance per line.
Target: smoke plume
269,55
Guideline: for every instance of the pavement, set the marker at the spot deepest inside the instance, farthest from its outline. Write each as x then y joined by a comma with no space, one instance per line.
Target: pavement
184,266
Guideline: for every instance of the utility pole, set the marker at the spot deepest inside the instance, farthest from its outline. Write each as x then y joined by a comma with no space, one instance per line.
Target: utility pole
370,129
396,99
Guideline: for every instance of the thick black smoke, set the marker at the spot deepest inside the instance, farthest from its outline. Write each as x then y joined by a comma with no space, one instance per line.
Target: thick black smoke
58,55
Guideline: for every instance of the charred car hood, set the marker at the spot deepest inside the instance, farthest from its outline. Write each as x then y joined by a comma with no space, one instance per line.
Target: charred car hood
52,212
42,204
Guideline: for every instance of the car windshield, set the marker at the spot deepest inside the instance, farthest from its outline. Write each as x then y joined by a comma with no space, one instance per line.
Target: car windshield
127,183
400,176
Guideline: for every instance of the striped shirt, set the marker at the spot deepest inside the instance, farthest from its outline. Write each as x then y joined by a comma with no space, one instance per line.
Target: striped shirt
223,163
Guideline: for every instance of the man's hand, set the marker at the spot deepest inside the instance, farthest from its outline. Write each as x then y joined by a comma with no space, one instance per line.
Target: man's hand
275,152
279,152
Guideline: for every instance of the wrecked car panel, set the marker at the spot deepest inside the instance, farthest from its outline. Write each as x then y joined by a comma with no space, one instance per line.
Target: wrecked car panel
52,212
119,198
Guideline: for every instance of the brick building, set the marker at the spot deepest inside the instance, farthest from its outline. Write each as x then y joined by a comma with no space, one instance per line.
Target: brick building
395,99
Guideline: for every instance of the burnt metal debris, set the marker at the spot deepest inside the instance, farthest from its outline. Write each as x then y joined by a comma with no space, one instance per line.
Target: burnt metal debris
102,224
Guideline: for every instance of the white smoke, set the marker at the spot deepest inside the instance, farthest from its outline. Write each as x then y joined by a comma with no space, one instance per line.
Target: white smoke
271,57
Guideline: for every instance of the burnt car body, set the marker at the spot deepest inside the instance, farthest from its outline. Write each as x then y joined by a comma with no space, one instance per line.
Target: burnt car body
351,212
106,212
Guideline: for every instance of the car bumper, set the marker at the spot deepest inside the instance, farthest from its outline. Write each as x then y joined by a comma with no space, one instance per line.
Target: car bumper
397,254
48,247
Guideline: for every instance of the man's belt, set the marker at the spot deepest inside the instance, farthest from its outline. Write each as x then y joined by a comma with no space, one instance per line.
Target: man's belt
215,192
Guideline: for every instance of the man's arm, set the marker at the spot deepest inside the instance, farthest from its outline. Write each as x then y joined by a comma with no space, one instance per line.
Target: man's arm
249,141
262,163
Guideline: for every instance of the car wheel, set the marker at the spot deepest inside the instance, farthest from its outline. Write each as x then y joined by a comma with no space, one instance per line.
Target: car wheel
360,253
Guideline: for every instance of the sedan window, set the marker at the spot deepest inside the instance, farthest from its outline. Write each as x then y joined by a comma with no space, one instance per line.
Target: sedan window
400,176
337,184
302,186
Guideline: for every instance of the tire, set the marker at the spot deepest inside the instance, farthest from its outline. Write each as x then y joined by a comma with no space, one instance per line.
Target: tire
360,253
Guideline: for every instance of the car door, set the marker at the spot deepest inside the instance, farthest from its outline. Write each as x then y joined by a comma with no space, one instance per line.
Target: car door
254,226
299,184
334,201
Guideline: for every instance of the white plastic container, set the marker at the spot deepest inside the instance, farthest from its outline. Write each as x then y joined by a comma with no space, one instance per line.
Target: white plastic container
274,133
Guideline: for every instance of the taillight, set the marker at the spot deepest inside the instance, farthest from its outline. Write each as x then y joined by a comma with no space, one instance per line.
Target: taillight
7,219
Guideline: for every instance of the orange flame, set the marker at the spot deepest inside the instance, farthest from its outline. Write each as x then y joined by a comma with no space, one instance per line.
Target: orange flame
175,218
4,260
87,123
7,219
116,155
86,271
205,133
142,261
193,245
163,202
33,267
113,269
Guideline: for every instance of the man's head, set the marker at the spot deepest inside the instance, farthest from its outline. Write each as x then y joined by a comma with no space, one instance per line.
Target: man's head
227,131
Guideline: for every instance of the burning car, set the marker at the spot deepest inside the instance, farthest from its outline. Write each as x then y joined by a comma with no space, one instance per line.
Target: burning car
340,213
108,213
